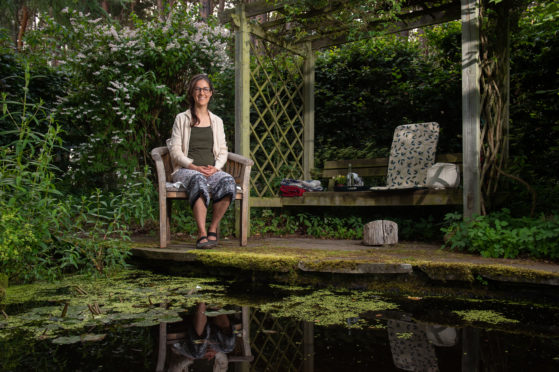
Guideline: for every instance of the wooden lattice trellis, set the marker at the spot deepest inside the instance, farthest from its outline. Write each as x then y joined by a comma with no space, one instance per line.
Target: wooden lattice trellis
276,345
276,120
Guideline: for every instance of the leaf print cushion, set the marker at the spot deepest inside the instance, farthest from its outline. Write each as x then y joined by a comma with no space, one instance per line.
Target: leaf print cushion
412,153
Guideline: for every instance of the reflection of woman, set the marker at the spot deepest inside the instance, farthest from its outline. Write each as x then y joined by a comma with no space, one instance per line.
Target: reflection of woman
198,152
204,339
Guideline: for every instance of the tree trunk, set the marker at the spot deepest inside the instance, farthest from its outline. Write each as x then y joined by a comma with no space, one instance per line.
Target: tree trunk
495,72
206,8
22,26
160,8
221,7
105,6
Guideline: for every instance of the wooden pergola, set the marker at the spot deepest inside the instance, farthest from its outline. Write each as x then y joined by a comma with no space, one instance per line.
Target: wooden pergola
280,129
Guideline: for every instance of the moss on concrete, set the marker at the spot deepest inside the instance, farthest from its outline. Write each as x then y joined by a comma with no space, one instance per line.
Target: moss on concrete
447,271
437,264
468,272
331,264
248,261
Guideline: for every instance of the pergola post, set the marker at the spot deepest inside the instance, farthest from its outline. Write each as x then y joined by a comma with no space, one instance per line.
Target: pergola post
471,107
242,97
242,84
308,114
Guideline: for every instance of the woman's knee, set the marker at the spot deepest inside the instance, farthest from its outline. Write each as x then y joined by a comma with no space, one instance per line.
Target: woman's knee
198,190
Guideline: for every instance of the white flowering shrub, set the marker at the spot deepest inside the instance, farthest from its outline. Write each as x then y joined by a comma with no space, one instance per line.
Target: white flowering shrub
127,85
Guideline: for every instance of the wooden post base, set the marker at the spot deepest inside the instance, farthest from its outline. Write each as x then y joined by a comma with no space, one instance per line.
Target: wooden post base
380,232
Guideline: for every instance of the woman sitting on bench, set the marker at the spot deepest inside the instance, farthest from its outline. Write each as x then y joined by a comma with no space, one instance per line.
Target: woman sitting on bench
198,152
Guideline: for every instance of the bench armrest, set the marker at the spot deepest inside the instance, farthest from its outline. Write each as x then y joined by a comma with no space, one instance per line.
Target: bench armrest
239,167
239,159
157,156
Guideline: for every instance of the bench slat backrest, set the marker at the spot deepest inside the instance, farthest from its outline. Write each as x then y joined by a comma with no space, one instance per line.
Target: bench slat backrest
235,169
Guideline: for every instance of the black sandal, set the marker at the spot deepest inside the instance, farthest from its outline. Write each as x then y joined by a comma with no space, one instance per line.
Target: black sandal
205,245
214,242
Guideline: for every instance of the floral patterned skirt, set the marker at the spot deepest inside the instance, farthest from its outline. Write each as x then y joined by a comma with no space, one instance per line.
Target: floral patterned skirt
215,187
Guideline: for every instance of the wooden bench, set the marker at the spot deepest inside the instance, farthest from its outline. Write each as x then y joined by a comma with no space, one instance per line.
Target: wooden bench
237,166
369,168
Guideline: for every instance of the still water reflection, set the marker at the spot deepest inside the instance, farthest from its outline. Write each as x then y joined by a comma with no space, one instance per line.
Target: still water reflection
140,321
252,340
206,333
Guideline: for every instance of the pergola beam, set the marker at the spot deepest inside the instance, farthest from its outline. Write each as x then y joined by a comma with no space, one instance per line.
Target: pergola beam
257,30
310,14
424,16
254,9
409,21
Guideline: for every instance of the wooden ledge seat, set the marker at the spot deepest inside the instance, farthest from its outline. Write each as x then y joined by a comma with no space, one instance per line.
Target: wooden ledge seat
237,166
377,167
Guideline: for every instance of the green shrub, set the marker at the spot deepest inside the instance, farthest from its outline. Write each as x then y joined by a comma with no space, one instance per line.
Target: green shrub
126,85
265,222
501,235
17,236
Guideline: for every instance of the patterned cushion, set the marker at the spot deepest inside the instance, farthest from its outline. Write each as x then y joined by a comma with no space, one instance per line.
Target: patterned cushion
179,186
411,155
175,186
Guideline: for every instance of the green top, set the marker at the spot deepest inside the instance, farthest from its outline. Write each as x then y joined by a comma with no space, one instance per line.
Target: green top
201,145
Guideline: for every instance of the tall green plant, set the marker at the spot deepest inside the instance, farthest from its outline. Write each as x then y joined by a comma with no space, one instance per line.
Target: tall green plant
42,232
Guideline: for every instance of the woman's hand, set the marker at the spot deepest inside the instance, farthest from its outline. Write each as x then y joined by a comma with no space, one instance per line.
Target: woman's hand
211,170
207,170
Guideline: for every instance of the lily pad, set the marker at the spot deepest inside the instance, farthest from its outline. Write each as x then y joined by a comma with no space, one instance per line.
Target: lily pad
65,340
214,313
88,337
91,337
145,323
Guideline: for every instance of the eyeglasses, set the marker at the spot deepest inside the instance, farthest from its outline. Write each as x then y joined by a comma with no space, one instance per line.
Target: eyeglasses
204,89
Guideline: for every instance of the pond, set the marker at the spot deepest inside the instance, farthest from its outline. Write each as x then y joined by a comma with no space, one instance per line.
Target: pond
137,319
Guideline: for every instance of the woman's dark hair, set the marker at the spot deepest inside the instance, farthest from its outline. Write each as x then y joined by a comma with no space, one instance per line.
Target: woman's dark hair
191,85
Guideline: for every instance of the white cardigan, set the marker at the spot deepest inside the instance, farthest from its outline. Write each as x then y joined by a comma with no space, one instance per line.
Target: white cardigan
180,138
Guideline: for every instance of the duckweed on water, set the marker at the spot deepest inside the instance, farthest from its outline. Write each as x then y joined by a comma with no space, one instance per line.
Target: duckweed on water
59,311
404,335
485,316
327,308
